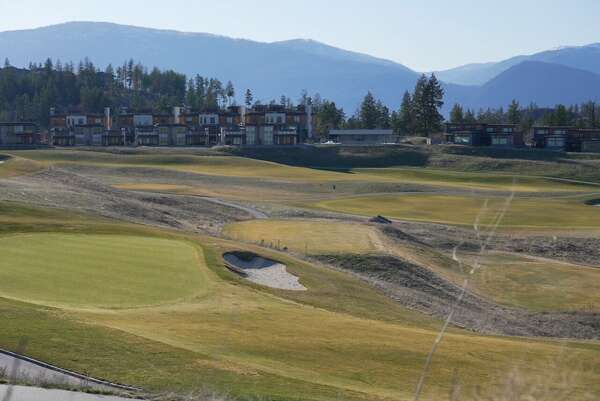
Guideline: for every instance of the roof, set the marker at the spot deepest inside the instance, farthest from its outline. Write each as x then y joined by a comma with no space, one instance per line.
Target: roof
12,124
361,132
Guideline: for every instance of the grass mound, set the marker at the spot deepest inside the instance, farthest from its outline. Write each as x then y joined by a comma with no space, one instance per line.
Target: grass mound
304,236
97,270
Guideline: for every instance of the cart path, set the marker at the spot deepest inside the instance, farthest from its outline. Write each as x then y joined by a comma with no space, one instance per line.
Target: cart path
21,393
22,368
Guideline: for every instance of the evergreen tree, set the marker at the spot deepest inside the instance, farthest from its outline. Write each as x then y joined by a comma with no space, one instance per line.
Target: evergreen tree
249,98
6,63
406,118
514,113
457,114
433,102
470,116
369,112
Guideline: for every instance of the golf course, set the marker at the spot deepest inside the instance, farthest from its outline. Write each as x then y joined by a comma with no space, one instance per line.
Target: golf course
113,266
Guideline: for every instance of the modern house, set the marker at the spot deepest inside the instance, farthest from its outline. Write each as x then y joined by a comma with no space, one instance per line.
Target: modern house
364,136
569,139
234,126
19,134
482,134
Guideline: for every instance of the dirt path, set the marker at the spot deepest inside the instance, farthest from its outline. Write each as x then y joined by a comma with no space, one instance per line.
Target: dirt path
257,214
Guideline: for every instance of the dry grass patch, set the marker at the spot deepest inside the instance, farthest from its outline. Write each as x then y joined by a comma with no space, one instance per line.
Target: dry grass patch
307,236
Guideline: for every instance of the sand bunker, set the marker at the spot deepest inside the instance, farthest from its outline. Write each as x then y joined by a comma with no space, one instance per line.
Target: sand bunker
262,271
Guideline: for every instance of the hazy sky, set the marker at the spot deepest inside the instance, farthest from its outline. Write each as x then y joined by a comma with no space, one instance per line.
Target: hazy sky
424,35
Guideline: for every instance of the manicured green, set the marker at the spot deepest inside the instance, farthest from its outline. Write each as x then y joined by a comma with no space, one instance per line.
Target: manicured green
98,270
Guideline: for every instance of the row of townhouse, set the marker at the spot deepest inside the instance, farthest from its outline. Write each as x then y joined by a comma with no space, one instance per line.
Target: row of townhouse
482,134
569,139
14,134
235,126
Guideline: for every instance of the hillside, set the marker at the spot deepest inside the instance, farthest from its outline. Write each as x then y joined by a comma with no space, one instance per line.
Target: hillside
541,83
269,69
580,57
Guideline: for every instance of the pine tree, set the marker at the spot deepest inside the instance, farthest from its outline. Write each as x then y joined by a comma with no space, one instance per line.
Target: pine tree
249,98
6,63
419,104
457,114
433,102
406,117
470,116
514,113
369,113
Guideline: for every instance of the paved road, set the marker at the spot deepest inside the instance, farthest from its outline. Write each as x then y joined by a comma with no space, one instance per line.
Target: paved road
20,393
28,370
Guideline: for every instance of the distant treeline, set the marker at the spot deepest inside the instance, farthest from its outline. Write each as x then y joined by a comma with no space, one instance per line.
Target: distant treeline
585,115
28,95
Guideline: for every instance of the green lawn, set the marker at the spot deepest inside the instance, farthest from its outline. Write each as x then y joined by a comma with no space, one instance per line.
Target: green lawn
463,210
84,271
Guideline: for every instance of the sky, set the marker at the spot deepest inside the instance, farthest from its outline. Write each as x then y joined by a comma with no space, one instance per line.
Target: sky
423,35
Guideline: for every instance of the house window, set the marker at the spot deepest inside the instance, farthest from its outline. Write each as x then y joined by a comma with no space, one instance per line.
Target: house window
555,142
500,140
212,120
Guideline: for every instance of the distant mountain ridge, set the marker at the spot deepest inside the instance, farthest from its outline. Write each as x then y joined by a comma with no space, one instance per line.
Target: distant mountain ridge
289,67
580,57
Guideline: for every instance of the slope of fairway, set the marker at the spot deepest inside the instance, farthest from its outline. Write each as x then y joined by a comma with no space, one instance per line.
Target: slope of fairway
304,236
16,166
463,210
537,284
98,270
228,166
478,181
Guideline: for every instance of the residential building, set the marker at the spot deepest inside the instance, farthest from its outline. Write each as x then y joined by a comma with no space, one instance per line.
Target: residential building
482,134
19,134
363,136
568,139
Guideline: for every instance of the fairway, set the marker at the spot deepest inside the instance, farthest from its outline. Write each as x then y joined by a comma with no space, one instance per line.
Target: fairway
464,210
537,284
304,236
85,271
478,181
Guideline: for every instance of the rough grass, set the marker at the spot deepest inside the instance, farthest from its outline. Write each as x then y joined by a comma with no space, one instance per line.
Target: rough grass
84,271
546,212
306,236
537,284
16,166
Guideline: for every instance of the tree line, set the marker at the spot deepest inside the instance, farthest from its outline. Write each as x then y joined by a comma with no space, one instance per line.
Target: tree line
585,115
28,95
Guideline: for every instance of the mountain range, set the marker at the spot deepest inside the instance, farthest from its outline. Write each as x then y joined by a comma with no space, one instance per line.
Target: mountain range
566,75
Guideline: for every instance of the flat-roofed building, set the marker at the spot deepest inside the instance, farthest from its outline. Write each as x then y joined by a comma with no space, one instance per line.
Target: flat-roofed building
19,134
483,134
